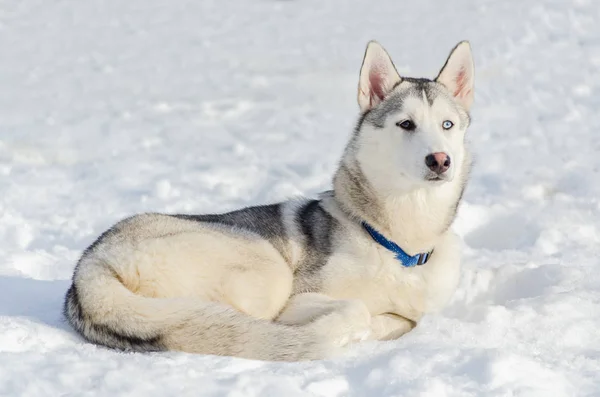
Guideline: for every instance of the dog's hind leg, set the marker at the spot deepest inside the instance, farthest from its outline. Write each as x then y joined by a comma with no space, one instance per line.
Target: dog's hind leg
260,287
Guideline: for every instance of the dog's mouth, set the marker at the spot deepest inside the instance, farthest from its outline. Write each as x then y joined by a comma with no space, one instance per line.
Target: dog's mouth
436,178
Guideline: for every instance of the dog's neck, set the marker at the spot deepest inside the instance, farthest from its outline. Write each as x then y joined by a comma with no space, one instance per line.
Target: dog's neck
414,220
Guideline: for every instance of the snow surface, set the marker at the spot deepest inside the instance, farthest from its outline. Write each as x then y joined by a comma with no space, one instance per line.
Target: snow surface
109,108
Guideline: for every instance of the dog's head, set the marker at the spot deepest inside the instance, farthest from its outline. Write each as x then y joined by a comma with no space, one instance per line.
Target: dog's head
411,132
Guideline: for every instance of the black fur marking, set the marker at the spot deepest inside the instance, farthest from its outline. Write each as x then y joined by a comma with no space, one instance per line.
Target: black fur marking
264,220
318,227
102,334
423,85
315,224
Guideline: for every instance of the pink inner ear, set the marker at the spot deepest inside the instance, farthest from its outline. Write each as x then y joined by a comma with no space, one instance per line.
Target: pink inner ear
376,84
461,80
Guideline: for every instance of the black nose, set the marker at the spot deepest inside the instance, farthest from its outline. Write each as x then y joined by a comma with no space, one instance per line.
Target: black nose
438,162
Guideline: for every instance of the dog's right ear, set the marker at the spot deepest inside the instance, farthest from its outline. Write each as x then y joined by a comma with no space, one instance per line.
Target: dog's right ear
378,76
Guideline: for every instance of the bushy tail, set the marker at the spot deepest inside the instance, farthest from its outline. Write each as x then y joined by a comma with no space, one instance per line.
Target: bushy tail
105,312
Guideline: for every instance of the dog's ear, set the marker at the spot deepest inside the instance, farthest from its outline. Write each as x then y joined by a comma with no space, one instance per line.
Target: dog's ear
458,74
378,76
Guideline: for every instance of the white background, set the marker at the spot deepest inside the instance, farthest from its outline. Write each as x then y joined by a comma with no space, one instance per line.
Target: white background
110,107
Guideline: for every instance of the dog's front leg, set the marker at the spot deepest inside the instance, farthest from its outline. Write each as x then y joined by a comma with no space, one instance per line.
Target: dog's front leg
304,308
390,326
340,321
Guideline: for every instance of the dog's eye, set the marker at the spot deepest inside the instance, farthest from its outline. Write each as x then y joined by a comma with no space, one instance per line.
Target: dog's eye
447,124
407,125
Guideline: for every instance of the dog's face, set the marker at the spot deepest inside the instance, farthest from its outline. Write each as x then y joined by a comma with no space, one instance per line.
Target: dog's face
412,131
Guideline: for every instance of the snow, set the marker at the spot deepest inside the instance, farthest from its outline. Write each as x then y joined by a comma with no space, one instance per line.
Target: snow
110,108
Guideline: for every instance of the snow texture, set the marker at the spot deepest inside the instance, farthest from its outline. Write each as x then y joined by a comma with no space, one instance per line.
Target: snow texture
110,108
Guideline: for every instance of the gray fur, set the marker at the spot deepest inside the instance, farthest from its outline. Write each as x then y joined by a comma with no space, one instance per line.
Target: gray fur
264,220
355,194
318,229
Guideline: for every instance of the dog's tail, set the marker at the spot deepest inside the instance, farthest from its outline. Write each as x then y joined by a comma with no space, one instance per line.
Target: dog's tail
104,311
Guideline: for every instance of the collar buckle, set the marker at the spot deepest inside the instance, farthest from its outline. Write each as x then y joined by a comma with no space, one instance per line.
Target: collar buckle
404,259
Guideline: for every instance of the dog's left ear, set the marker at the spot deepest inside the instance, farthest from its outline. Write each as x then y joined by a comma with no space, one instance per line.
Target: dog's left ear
458,74
378,76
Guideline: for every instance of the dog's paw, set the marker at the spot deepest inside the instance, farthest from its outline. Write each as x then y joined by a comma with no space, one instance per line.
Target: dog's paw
350,322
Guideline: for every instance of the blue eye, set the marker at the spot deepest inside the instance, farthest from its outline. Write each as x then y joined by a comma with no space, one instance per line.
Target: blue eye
447,124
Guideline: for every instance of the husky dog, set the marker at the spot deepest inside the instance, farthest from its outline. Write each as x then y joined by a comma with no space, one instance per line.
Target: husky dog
299,280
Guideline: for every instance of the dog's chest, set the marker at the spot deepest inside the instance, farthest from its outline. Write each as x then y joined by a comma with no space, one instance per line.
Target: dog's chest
375,276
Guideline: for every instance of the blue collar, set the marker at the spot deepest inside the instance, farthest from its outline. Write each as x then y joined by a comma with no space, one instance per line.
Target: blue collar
405,259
